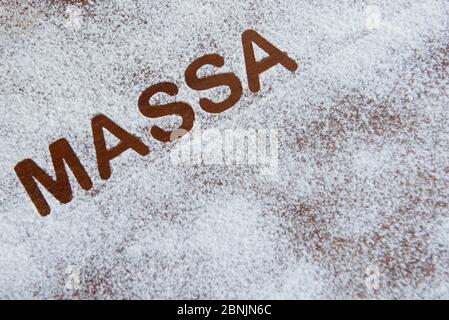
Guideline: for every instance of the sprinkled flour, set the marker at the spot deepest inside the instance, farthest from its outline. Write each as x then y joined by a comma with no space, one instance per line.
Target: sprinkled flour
362,174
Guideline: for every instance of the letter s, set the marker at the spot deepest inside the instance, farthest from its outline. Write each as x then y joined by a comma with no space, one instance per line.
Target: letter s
181,109
223,79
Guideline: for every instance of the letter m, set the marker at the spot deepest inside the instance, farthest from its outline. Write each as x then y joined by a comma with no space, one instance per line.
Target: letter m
30,173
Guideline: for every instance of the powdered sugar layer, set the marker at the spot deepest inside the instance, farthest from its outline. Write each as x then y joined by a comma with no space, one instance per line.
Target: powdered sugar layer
362,177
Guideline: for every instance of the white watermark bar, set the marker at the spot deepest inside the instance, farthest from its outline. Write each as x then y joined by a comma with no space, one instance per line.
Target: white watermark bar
229,147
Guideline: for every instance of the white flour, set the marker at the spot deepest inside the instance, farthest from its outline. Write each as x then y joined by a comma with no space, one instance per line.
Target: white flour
362,178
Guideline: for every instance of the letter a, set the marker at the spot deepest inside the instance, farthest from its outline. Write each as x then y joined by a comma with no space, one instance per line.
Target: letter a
254,68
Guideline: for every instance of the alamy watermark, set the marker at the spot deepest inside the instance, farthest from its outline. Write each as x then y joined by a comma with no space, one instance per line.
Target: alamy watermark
73,17
372,279
72,281
373,17
228,147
